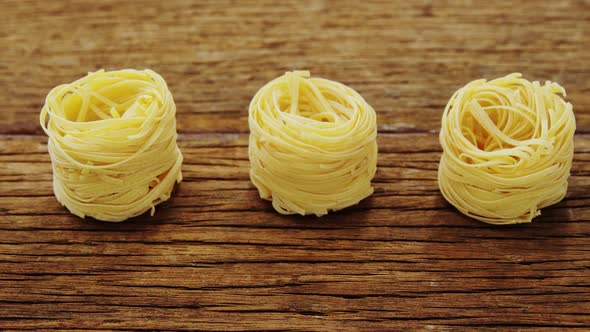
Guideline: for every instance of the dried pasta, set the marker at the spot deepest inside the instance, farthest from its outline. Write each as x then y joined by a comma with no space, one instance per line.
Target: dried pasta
312,144
507,148
112,142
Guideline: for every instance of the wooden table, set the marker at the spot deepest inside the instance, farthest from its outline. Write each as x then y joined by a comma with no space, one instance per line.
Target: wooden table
216,256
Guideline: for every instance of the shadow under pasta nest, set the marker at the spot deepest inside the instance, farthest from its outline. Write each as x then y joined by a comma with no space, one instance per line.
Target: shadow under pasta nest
355,216
139,223
545,239
143,222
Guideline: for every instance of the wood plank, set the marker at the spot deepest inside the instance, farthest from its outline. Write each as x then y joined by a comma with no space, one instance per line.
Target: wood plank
216,253
405,58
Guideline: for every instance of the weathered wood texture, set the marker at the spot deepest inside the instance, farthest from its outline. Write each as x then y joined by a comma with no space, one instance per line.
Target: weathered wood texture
216,257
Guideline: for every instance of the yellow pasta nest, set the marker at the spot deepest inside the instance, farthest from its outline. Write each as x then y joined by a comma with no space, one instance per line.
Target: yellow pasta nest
112,142
507,149
312,144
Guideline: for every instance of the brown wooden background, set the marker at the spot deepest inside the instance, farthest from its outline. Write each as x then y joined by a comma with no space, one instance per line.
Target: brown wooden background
216,257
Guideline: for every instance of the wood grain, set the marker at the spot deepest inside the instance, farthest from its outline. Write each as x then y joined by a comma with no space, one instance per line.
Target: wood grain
216,257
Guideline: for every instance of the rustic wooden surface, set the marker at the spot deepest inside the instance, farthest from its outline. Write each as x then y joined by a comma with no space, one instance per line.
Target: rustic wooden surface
216,257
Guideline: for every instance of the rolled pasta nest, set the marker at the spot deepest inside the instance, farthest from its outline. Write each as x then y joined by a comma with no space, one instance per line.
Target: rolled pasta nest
112,142
507,149
312,144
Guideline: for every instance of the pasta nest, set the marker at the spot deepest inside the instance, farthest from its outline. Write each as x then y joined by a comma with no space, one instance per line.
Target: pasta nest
507,148
312,144
112,143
